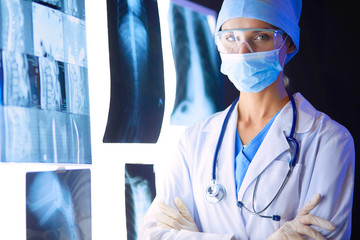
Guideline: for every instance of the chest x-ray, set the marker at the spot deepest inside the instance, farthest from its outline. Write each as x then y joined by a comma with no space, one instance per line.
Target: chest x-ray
137,80
58,205
44,101
199,91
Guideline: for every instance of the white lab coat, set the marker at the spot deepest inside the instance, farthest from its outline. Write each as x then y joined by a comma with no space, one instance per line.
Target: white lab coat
326,166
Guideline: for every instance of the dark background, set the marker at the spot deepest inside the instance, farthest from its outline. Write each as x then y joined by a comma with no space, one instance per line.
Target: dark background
325,69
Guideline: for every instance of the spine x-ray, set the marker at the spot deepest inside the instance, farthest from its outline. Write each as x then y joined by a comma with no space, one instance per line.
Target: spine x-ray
198,83
137,81
44,100
139,193
58,205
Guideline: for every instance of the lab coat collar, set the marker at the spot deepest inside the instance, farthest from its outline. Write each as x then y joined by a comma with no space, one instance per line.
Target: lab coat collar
274,144
306,117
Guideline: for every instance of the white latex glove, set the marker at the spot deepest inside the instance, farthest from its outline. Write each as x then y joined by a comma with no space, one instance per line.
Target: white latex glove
300,226
168,217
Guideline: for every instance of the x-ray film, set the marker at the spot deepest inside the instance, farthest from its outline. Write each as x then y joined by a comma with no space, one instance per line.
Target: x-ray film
16,79
48,32
80,132
44,101
52,85
34,78
64,138
139,193
74,40
16,26
137,79
199,85
75,8
20,134
58,205
54,128
1,79
55,4
77,85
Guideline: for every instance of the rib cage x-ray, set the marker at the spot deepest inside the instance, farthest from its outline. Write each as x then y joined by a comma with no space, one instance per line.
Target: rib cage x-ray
58,205
139,193
199,86
137,81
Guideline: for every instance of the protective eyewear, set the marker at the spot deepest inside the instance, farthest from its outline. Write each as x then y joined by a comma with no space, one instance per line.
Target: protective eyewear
249,40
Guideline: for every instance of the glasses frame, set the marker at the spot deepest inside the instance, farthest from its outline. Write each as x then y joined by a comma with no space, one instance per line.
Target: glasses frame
271,30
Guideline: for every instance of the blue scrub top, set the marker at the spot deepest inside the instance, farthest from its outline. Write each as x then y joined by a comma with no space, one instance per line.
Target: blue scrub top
244,155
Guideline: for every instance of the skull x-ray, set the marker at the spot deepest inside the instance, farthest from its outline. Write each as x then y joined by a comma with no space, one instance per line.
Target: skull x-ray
139,193
44,99
137,80
199,89
58,205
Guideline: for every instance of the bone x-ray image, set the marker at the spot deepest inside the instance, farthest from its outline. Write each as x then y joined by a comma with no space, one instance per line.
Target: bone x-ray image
198,82
48,32
52,85
16,26
44,99
60,131
1,79
137,80
74,40
58,205
17,85
77,97
139,193
75,8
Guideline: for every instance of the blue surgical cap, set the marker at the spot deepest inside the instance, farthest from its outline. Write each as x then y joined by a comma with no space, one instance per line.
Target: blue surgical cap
284,14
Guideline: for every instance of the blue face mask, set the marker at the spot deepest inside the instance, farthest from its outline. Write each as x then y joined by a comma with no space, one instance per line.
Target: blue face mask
251,72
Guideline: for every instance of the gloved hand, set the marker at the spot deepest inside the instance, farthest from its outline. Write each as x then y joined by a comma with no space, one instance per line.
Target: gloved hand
299,227
168,217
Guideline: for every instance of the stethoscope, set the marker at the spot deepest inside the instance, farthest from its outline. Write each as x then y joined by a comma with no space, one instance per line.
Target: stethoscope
216,192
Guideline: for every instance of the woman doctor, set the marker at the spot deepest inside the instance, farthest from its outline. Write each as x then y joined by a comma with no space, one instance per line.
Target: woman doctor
277,157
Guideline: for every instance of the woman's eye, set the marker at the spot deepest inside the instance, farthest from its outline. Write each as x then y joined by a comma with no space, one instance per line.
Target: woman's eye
230,38
262,37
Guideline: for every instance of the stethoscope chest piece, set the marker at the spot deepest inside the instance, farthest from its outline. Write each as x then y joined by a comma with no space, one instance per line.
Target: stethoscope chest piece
214,193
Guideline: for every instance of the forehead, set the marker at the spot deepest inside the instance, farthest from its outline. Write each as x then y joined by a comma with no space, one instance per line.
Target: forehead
235,23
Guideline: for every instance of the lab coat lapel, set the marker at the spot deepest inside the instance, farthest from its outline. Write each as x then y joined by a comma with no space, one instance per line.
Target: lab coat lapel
274,144
226,156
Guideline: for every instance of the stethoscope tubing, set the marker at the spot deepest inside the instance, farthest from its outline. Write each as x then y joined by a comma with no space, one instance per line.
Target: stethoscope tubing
292,163
222,133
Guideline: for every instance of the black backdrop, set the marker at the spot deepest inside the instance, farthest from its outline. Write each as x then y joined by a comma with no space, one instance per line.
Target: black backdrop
325,69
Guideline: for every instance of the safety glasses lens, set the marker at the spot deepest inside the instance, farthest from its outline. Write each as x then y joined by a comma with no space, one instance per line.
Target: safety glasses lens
248,40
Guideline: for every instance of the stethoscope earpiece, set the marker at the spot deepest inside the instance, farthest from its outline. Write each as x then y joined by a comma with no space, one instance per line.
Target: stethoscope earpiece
215,192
